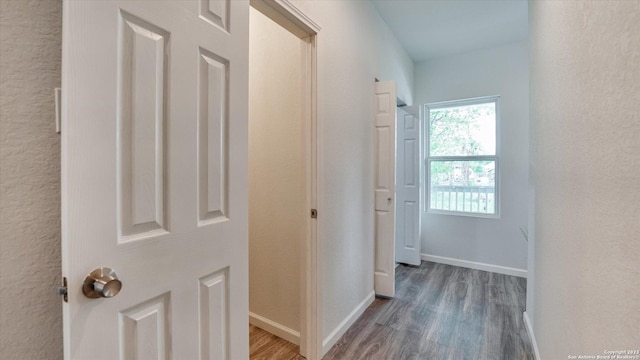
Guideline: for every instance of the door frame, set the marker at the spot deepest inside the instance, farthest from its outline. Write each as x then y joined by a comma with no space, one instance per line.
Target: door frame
295,21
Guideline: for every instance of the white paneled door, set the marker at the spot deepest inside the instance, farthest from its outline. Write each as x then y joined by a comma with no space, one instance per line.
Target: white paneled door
385,155
408,186
154,179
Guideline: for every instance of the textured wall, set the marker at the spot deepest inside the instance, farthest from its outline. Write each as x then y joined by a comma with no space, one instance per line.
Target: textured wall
30,311
277,216
585,71
500,71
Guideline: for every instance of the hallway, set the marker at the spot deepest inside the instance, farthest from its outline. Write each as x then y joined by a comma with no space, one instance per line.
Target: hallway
442,312
439,312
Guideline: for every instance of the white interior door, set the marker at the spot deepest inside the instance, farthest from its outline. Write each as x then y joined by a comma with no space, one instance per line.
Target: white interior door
408,186
385,155
154,178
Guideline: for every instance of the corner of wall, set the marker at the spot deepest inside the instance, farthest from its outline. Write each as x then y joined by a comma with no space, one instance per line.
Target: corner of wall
345,324
275,328
532,336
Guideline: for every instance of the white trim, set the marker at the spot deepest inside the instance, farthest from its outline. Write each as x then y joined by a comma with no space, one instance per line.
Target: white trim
311,251
288,16
532,336
475,265
463,102
306,23
495,158
342,328
273,327
460,213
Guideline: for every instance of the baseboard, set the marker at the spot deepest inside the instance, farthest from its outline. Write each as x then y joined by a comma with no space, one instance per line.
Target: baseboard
532,336
273,327
475,265
342,328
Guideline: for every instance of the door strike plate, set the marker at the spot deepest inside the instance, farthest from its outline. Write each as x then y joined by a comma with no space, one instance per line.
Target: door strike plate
62,290
314,213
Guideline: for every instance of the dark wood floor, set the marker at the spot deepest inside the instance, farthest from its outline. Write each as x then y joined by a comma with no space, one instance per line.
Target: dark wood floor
440,312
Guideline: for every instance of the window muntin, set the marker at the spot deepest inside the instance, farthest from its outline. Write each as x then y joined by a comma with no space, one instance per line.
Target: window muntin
462,157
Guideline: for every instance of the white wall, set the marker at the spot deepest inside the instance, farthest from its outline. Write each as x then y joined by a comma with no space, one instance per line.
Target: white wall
497,71
277,216
585,67
30,311
531,250
354,47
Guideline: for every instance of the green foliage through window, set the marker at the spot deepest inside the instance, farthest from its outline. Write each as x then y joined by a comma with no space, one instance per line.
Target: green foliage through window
463,130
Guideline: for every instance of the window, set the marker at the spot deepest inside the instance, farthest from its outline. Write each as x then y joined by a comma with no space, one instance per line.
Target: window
462,157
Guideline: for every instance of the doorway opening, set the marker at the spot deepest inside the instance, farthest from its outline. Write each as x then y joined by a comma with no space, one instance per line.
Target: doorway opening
283,243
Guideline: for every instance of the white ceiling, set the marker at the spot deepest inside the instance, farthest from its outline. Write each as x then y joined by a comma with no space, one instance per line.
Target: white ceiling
434,28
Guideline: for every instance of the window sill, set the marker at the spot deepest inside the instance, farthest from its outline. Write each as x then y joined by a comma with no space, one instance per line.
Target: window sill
465,214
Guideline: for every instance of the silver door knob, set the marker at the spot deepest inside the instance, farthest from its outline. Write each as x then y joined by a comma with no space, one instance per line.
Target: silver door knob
101,283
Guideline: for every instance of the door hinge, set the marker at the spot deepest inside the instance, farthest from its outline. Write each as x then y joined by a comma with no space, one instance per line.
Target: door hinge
314,213
62,290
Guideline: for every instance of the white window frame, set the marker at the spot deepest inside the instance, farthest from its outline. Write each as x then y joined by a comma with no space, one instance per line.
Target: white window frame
428,158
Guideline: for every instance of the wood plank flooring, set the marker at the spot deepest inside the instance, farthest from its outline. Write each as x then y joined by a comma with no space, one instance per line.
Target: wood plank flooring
266,346
440,312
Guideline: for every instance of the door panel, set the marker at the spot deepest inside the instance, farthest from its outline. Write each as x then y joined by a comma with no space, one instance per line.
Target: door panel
216,12
410,211
141,127
144,330
214,302
385,149
384,156
212,141
408,190
154,179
